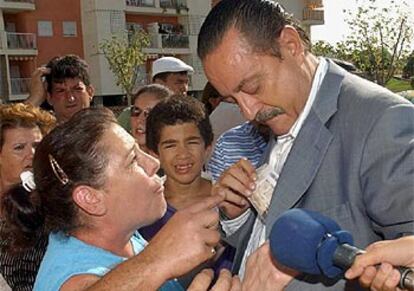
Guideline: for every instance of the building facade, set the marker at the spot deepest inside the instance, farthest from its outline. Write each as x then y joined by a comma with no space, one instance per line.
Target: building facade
34,31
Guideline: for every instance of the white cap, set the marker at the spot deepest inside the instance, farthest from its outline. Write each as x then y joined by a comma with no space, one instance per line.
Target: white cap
169,64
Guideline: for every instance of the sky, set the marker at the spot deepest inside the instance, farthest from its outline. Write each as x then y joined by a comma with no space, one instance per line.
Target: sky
335,28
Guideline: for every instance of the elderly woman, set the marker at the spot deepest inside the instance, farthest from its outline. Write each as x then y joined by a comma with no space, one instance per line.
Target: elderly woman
94,188
22,127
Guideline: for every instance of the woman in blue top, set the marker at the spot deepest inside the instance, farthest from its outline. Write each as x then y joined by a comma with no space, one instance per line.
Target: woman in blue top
94,187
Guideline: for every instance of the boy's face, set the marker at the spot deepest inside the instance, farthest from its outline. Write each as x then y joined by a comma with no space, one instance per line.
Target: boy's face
182,152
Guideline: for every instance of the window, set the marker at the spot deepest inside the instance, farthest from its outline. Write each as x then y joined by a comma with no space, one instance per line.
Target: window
69,29
44,28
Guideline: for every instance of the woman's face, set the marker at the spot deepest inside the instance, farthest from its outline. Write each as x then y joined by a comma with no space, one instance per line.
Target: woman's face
143,105
16,154
135,194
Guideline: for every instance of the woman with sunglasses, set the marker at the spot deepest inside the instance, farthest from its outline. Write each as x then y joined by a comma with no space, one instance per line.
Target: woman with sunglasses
143,101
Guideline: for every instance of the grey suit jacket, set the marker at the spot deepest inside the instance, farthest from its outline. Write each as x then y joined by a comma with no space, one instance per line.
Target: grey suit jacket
353,160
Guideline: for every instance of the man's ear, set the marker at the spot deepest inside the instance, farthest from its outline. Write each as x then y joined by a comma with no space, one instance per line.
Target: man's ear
89,200
91,91
290,41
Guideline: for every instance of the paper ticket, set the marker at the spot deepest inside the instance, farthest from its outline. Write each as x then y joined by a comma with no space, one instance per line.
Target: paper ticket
265,184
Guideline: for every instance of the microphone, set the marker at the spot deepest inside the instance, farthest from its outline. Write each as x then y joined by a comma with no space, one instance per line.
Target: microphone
311,243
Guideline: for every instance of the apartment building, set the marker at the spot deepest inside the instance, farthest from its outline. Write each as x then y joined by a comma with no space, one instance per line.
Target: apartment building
33,31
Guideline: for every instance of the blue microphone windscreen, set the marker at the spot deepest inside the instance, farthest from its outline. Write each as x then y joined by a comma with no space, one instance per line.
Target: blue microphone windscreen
296,236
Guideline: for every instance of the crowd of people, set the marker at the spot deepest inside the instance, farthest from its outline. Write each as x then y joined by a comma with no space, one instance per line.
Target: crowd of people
153,200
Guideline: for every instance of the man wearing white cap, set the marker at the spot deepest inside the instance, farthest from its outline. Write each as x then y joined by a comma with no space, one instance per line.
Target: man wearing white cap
172,73
168,71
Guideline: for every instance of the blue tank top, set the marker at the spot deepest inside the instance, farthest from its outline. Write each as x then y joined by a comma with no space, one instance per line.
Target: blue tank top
66,256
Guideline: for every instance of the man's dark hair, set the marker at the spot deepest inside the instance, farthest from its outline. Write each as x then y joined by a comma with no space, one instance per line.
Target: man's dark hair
164,75
69,66
259,21
173,110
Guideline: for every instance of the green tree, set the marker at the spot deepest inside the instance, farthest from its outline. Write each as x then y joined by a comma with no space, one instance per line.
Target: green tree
124,55
379,40
408,70
323,48
339,51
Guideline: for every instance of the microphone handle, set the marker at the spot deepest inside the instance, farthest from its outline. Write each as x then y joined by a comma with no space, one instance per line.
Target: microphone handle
407,278
344,257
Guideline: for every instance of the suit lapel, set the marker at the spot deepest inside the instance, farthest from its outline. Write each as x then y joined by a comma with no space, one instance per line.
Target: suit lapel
309,148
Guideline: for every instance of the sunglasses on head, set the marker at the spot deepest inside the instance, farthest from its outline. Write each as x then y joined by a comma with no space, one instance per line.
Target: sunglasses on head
136,111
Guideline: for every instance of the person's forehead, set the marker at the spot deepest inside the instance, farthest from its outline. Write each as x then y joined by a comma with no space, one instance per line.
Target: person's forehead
146,99
10,134
178,76
183,129
68,82
229,63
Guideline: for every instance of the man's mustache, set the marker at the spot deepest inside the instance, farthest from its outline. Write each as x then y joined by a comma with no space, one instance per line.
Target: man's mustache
264,115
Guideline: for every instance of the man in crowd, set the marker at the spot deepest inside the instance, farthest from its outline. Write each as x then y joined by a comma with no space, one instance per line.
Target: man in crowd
68,87
341,145
168,71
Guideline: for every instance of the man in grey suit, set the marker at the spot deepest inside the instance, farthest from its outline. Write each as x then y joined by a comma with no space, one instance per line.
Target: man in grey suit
342,146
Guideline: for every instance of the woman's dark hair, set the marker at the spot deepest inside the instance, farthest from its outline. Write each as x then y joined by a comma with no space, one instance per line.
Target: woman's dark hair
157,90
173,110
260,22
209,92
70,155
69,66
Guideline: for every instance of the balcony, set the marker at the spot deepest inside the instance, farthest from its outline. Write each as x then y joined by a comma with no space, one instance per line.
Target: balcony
156,7
313,16
18,44
314,4
21,43
168,38
174,41
177,4
17,5
140,3
21,1
20,86
171,42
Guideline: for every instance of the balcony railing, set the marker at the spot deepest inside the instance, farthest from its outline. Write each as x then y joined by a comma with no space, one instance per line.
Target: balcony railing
21,1
314,3
21,40
140,3
313,15
174,40
20,86
173,3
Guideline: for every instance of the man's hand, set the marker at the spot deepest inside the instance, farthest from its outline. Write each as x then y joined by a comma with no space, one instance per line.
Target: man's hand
38,87
264,273
187,240
225,282
235,185
399,252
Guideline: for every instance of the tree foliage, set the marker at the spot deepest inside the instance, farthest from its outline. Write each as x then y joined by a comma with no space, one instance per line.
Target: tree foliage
380,37
379,41
125,55
408,70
